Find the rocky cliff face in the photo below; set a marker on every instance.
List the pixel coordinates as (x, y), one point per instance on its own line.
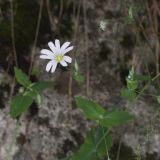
(54, 130)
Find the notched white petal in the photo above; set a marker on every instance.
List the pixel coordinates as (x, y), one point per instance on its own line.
(68, 59)
(63, 63)
(46, 52)
(54, 67)
(49, 65)
(64, 46)
(57, 45)
(68, 49)
(52, 47)
(46, 57)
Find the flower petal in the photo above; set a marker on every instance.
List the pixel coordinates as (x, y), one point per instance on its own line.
(49, 65)
(52, 47)
(54, 67)
(46, 56)
(68, 59)
(57, 45)
(63, 63)
(64, 46)
(68, 49)
(46, 52)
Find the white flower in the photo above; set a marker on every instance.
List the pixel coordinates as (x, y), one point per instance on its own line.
(56, 55)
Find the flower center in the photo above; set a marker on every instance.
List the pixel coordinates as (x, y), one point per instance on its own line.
(59, 58)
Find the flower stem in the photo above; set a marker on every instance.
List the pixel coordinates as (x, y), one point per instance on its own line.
(147, 85)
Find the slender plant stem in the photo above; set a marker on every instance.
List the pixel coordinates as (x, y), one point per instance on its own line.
(86, 48)
(147, 85)
(151, 95)
(13, 34)
(36, 36)
(13, 46)
(8, 157)
(119, 149)
(52, 20)
(61, 9)
(104, 135)
(14, 136)
(74, 54)
(154, 78)
(105, 144)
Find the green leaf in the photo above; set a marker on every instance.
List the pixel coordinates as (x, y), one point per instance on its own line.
(96, 143)
(102, 140)
(128, 94)
(76, 67)
(132, 84)
(20, 104)
(22, 78)
(142, 77)
(79, 78)
(116, 118)
(92, 110)
(35, 72)
(158, 99)
(129, 20)
(38, 87)
(38, 99)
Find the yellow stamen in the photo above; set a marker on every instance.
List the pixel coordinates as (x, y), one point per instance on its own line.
(59, 58)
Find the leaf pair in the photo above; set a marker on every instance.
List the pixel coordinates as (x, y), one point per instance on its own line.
(30, 92)
(20, 104)
(133, 80)
(94, 111)
(97, 143)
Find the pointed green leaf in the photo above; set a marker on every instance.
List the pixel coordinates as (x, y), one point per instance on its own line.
(158, 99)
(128, 94)
(116, 118)
(132, 84)
(103, 140)
(22, 78)
(96, 143)
(92, 110)
(38, 99)
(38, 88)
(142, 77)
(20, 104)
(79, 78)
